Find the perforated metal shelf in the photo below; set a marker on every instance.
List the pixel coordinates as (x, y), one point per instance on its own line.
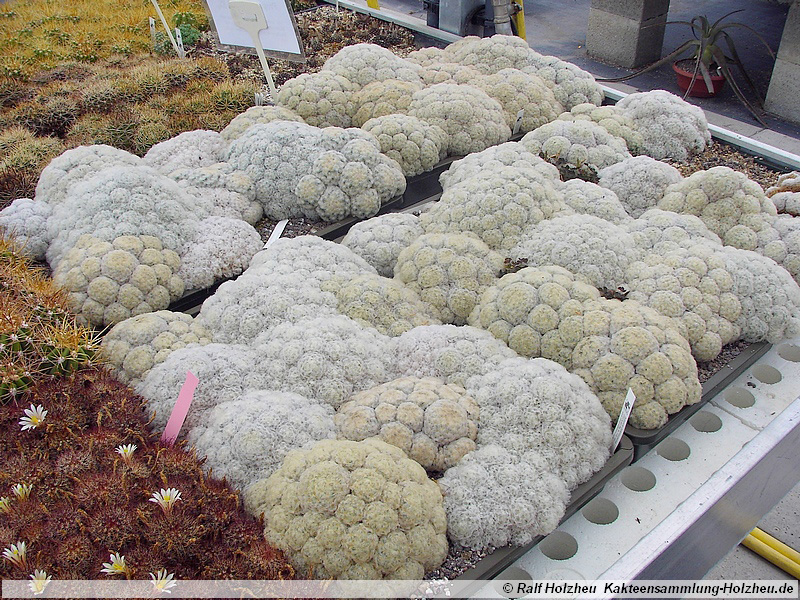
(675, 513)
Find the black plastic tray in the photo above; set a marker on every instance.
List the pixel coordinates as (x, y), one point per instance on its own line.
(645, 439)
(502, 558)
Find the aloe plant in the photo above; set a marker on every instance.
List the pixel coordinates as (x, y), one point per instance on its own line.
(709, 57)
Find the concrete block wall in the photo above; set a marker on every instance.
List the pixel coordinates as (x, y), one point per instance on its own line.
(784, 86)
(627, 33)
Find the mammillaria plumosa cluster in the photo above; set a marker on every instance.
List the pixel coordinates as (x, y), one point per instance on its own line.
(413, 143)
(449, 271)
(353, 510)
(111, 281)
(639, 182)
(328, 174)
(134, 346)
(497, 205)
(380, 240)
(243, 442)
(586, 245)
(432, 422)
(472, 120)
(731, 205)
(581, 146)
(670, 126)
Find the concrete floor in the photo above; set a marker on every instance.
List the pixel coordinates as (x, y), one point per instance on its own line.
(783, 523)
(558, 27)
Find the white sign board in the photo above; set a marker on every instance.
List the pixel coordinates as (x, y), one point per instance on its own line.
(280, 36)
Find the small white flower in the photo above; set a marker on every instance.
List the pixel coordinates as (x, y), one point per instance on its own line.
(34, 416)
(166, 498)
(39, 581)
(126, 451)
(5, 504)
(16, 553)
(117, 565)
(163, 581)
(22, 491)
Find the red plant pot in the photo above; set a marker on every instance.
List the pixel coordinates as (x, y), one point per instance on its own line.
(699, 89)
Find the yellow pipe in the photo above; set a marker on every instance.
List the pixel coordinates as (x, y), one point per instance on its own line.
(519, 18)
(776, 544)
(781, 561)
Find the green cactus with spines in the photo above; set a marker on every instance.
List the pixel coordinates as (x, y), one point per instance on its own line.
(234, 96)
(150, 80)
(206, 67)
(149, 133)
(100, 96)
(47, 116)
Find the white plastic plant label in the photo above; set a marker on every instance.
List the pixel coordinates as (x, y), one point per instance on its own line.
(518, 122)
(280, 37)
(276, 233)
(179, 41)
(622, 420)
(153, 32)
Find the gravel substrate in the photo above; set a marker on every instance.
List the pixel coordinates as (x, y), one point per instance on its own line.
(706, 369)
(720, 154)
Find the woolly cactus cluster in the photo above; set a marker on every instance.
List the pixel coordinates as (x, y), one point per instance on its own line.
(26, 220)
(611, 118)
(326, 174)
(189, 150)
(593, 248)
(536, 405)
(121, 201)
(639, 182)
(138, 344)
(670, 126)
(785, 194)
(225, 373)
(731, 205)
(493, 498)
(448, 271)
(588, 198)
(385, 304)
(508, 154)
(362, 64)
(246, 439)
(517, 91)
(536, 311)
(381, 98)
(222, 251)
(472, 120)
(256, 115)
(109, 282)
(571, 85)
(380, 240)
(434, 423)
(694, 286)
(452, 354)
(353, 510)
(627, 345)
(321, 99)
(413, 143)
(660, 231)
(612, 345)
(583, 147)
(325, 359)
(497, 205)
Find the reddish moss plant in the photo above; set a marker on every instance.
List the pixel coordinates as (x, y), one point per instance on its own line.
(88, 500)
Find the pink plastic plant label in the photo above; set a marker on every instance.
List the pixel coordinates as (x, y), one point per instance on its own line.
(180, 410)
